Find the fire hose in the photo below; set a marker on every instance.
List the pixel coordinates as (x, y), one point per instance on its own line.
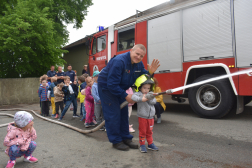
(148, 96)
(57, 122)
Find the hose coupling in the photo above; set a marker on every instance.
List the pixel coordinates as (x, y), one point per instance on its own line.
(168, 91)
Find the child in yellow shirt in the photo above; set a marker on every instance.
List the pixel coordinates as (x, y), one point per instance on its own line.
(82, 85)
(159, 106)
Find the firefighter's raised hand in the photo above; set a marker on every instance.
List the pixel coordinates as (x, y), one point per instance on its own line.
(154, 66)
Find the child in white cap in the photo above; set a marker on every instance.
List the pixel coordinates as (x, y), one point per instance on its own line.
(20, 139)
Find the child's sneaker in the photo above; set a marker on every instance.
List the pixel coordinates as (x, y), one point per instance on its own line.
(92, 124)
(11, 164)
(53, 115)
(102, 128)
(143, 149)
(131, 130)
(153, 147)
(87, 125)
(30, 159)
(76, 116)
(56, 116)
(60, 119)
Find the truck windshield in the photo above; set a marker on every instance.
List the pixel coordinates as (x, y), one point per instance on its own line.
(99, 44)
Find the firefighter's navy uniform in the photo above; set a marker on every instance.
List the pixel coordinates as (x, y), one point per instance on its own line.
(113, 82)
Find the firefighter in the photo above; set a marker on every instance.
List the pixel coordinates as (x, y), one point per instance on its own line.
(120, 74)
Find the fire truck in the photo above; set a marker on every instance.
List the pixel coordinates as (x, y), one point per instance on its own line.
(194, 40)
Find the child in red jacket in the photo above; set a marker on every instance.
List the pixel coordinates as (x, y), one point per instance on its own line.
(20, 139)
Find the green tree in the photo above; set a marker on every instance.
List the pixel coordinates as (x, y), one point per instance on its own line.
(63, 12)
(32, 33)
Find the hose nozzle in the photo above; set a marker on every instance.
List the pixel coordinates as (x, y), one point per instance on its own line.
(168, 91)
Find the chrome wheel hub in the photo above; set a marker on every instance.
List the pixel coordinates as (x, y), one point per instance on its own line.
(208, 97)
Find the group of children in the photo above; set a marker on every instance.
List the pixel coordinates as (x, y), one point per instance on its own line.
(67, 93)
(92, 102)
(51, 93)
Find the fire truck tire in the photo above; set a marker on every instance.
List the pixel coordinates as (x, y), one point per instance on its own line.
(211, 100)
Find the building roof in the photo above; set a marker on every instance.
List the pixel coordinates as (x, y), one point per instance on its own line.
(76, 43)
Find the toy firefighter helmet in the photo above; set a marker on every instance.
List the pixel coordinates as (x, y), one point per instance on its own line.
(143, 79)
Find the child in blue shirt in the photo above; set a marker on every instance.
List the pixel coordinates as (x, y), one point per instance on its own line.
(42, 92)
(97, 101)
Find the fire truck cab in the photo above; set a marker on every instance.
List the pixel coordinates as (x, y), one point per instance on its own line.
(193, 40)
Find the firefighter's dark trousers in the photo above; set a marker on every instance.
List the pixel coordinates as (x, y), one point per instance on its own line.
(116, 119)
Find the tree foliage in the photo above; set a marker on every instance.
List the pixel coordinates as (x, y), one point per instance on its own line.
(32, 33)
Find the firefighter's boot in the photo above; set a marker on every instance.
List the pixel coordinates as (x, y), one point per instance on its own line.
(121, 146)
(130, 143)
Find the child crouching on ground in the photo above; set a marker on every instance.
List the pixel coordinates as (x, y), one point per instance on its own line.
(159, 106)
(58, 98)
(145, 111)
(89, 104)
(20, 139)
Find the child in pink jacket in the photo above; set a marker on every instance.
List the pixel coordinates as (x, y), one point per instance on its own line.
(130, 91)
(89, 104)
(20, 139)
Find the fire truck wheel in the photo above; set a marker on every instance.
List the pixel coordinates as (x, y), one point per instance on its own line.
(211, 100)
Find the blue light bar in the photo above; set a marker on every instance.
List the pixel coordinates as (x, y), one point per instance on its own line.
(101, 28)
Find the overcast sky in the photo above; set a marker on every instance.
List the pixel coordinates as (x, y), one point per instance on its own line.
(108, 12)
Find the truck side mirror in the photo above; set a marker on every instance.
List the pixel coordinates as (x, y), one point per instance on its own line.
(88, 43)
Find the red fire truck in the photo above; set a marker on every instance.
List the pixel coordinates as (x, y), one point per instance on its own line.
(194, 40)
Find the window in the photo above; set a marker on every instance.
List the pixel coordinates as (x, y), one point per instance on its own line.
(99, 44)
(126, 38)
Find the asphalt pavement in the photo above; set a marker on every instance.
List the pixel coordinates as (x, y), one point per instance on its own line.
(184, 140)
